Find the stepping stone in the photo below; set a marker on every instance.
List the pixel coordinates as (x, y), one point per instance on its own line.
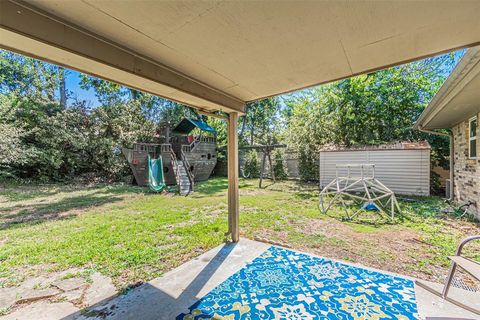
(73, 295)
(8, 296)
(29, 295)
(26, 292)
(69, 284)
(36, 282)
(43, 310)
(102, 288)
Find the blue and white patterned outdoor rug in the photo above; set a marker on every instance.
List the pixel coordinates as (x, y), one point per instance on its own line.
(283, 284)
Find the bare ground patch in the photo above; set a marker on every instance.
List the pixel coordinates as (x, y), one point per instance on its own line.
(394, 248)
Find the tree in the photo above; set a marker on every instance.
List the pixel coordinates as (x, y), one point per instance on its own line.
(43, 139)
(260, 121)
(380, 107)
(26, 78)
(63, 87)
(107, 93)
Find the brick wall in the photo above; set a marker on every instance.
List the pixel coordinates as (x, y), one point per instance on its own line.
(466, 171)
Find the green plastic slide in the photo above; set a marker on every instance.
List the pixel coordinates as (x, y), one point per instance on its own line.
(156, 181)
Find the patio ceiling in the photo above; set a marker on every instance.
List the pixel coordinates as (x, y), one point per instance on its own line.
(220, 54)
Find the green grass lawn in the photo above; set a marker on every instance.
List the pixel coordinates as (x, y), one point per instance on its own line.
(131, 234)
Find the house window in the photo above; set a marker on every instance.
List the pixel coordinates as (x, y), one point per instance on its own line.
(472, 136)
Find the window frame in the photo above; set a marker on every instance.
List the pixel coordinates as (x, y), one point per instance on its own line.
(474, 138)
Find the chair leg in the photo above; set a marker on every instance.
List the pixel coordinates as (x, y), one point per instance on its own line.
(449, 280)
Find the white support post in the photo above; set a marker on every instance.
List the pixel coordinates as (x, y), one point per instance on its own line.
(233, 207)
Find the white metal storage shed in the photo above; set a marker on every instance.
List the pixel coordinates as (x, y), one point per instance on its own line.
(404, 167)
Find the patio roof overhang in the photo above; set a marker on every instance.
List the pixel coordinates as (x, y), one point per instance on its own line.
(217, 55)
(458, 98)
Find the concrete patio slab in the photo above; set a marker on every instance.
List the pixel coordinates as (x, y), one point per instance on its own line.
(433, 306)
(43, 310)
(174, 292)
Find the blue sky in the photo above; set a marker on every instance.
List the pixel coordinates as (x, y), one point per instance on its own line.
(73, 86)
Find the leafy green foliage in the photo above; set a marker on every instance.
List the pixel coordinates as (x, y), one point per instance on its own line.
(27, 78)
(251, 168)
(308, 164)
(257, 126)
(42, 139)
(278, 165)
(370, 109)
(45, 142)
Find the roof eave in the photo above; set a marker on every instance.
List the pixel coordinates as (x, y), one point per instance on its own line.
(450, 88)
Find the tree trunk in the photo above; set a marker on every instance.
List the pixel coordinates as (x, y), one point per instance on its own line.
(63, 89)
(251, 135)
(244, 123)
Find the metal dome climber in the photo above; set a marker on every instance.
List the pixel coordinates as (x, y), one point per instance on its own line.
(357, 183)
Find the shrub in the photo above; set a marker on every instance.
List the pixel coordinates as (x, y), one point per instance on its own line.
(308, 165)
(45, 142)
(251, 168)
(278, 166)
